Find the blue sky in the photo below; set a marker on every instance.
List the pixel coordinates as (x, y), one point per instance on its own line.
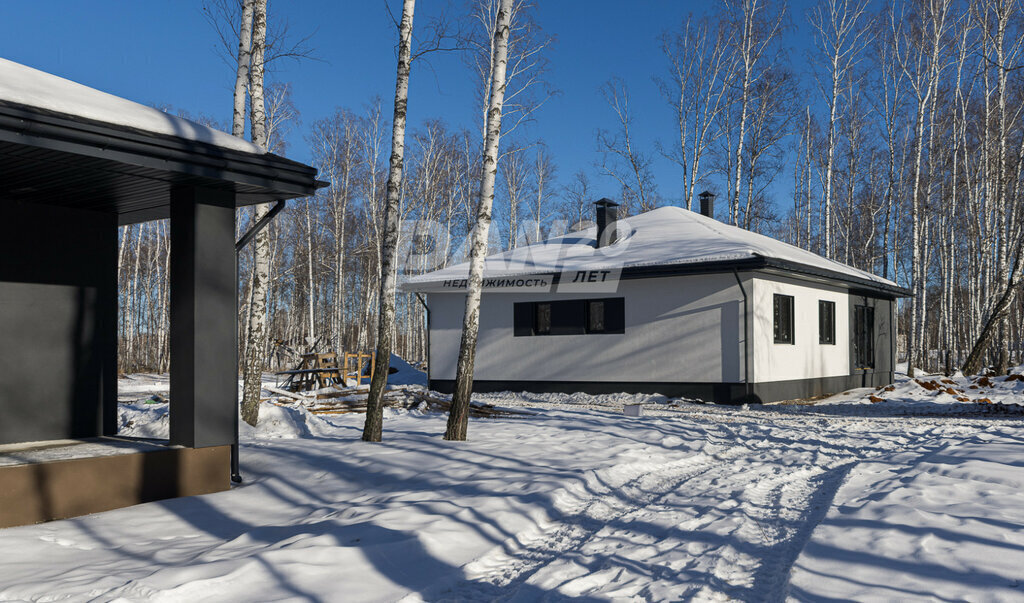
(165, 52)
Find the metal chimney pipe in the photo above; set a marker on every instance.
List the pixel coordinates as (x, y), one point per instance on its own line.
(707, 204)
(607, 214)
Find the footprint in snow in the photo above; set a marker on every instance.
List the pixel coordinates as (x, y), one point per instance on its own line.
(64, 542)
(671, 442)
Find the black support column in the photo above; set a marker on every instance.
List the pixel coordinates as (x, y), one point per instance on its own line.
(204, 356)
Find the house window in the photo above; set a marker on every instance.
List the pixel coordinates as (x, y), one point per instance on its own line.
(570, 317)
(542, 319)
(826, 322)
(783, 318)
(595, 316)
(863, 337)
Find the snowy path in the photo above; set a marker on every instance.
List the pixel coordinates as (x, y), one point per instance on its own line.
(703, 503)
(726, 523)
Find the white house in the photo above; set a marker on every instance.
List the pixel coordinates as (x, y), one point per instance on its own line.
(669, 301)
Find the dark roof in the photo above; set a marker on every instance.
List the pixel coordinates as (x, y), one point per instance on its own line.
(71, 161)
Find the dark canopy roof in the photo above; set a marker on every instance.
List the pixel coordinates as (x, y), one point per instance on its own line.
(65, 144)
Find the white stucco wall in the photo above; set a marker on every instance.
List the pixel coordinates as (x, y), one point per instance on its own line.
(678, 329)
(805, 358)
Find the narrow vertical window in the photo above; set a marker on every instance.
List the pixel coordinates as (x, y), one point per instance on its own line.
(542, 319)
(863, 337)
(595, 316)
(826, 322)
(782, 312)
(523, 319)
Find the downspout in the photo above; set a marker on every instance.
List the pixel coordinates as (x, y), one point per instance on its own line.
(427, 309)
(746, 337)
(236, 475)
(892, 341)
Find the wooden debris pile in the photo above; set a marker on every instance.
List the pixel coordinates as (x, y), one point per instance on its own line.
(334, 401)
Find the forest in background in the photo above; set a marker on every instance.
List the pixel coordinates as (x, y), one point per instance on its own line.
(903, 146)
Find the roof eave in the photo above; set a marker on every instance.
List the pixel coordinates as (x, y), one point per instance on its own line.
(746, 264)
(861, 284)
(280, 178)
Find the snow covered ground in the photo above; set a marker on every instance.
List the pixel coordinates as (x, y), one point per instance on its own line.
(845, 499)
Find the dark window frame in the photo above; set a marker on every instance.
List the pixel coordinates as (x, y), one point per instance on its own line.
(781, 313)
(826, 322)
(538, 328)
(590, 315)
(863, 337)
(569, 317)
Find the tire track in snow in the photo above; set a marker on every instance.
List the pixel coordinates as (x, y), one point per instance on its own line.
(747, 549)
(772, 576)
(501, 574)
(793, 503)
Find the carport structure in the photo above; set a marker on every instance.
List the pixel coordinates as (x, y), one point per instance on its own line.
(76, 163)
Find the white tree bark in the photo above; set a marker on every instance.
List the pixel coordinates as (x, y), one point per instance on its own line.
(242, 74)
(458, 417)
(629, 166)
(373, 427)
(757, 30)
(256, 332)
(702, 66)
(920, 57)
(841, 37)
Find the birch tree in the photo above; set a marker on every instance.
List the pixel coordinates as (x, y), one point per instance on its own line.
(513, 179)
(757, 23)
(841, 33)
(458, 416)
(544, 174)
(256, 331)
(576, 200)
(770, 121)
(957, 156)
(1000, 52)
(373, 427)
(701, 66)
(919, 53)
(620, 158)
(242, 73)
(526, 86)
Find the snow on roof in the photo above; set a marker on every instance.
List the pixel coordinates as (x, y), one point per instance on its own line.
(662, 237)
(26, 86)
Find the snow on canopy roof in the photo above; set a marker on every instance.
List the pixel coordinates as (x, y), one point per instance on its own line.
(26, 86)
(662, 237)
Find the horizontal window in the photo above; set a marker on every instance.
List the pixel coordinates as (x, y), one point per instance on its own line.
(570, 317)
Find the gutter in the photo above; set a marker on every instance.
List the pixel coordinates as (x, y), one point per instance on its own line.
(746, 336)
(236, 475)
(423, 302)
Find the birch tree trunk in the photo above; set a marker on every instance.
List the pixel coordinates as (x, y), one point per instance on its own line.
(242, 75)
(310, 280)
(921, 64)
(372, 429)
(1000, 312)
(256, 332)
(458, 416)
(841, 36)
